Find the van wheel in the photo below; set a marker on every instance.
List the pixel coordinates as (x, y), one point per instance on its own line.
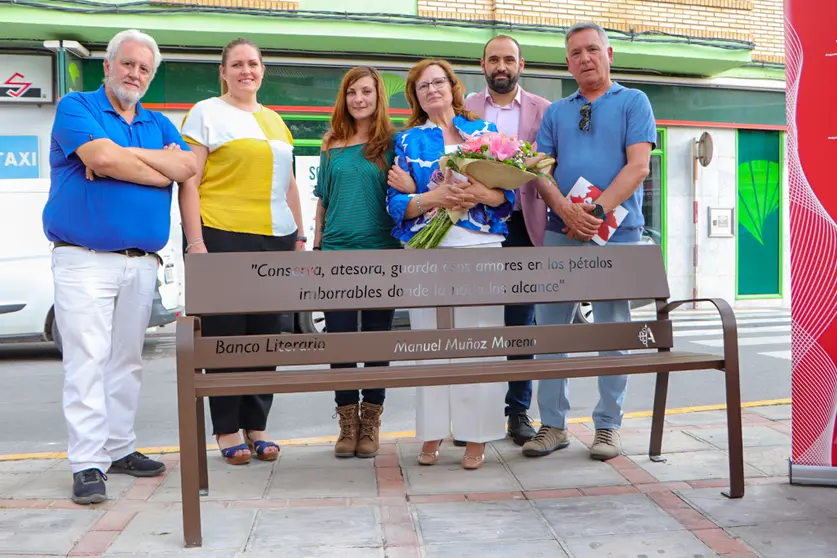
(55, 333)
(583, 313)
(310, 322)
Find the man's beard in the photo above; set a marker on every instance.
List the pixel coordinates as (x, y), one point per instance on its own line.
(127, 97)
(501, 87)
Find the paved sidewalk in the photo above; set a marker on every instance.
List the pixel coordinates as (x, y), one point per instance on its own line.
(311, 504)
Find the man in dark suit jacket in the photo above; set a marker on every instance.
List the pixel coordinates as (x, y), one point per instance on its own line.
(515, 112)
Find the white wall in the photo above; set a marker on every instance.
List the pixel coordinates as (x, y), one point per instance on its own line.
(716, 187)
(30, 120)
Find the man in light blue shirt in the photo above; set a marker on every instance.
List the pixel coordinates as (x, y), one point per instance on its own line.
(605, 133)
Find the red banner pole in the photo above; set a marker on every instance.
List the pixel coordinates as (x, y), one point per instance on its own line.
(811, 64)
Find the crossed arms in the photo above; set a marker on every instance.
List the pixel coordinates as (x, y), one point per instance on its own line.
(150, 167)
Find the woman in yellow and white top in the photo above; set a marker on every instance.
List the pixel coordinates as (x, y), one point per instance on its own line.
(244, 200)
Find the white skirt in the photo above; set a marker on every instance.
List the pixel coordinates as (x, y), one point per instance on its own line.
(470, 412)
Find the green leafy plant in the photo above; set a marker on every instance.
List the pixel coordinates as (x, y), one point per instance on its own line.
(759, 193)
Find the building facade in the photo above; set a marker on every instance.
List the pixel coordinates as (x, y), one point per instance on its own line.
(711, 68)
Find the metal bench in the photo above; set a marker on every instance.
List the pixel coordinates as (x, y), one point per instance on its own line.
(237, 283)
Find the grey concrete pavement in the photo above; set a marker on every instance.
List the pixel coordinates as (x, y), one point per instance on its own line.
(31, 379)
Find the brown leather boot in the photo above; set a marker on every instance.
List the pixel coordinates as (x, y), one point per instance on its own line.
(349, 426)
(370, 425)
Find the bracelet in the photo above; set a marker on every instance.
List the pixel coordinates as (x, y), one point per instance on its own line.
(195, 243)
(418, 202)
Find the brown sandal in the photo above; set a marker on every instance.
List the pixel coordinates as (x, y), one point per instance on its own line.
(231, 454)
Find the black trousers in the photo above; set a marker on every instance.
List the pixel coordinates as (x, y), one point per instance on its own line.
(231, 413)
(519, 394)
(344, 322)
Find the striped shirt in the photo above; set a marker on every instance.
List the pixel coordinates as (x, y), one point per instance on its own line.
(353, 192)
(248, 170)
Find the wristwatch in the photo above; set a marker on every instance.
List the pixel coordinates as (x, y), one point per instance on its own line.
(302, 239)
(598, 211)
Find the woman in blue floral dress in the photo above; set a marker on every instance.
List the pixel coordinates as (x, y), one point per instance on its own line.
(438, 124)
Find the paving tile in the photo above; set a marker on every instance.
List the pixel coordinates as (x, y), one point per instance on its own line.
(753, 436)
(696, 465)
(761, 504)
(478, 522)
(59, 485)
(773, 412)
(566, 468)
(674, 441)
(27, 465)
(447, 478)
(821, 497)
(525, 549)
(697, 419)
(160, 532)
(594, 516)
(319, 457)
(672, 544)
(813, 539)
(448, 454)
(230, 483)
(304, 528)
(42, 531)
(772, 460)
(296, 482)
(317, 552)
(193, 552)
(10, 482)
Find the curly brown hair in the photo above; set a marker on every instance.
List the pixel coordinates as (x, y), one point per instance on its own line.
(418, 116)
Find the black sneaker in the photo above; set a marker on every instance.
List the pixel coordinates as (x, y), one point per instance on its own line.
(137, 465)
(89, 487)
(520, 428)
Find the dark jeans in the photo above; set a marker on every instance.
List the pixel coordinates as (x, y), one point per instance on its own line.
(347, 321)
(231, 413)
(519, 394)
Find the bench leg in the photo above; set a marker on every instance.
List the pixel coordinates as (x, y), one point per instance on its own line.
(736, 443)
(189, 467)
(202, 471)
(658, 418)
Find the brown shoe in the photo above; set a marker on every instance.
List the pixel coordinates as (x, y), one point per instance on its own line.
(349, 426)
(370, 428)
(606, 445)
(547, 440)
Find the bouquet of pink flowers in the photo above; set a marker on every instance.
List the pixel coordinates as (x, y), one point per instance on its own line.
(494, 159)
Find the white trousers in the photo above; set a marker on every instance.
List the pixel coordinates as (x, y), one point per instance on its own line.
(102, 305)
(471, 412)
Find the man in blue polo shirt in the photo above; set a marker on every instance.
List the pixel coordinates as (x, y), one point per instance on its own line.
(605, 133)
(112, 166)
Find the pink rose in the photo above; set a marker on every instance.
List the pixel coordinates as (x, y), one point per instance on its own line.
(503, 148)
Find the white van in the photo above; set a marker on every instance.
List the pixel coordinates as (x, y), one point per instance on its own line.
(26, 289)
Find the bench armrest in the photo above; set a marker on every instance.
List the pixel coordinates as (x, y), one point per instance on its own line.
(728, 323)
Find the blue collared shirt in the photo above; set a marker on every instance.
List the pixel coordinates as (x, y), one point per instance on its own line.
(620, 118)
(418, 151)
(105, 214)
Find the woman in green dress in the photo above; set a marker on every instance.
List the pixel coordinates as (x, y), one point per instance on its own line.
(356, 155)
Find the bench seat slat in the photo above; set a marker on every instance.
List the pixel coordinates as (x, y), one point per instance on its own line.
(296, 381)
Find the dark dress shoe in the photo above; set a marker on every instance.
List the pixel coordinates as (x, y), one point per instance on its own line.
(520, 428)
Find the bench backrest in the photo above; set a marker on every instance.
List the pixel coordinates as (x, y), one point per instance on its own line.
(238, 283)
